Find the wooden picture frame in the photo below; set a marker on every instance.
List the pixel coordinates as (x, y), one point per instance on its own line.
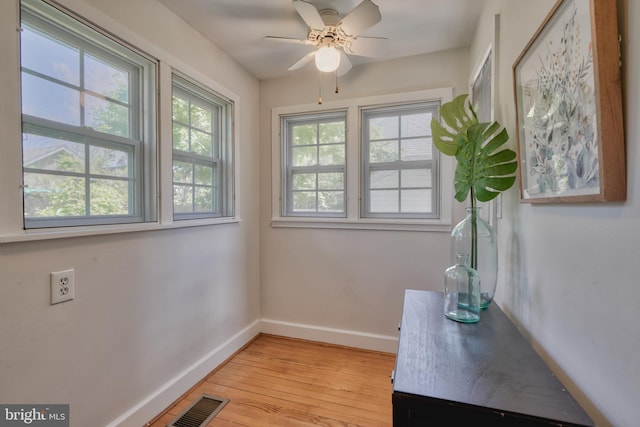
(569, 107)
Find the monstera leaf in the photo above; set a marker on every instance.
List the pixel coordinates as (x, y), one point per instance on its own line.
(458, 115)
(480, 169)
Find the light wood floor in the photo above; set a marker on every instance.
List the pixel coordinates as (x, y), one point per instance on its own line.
(276, 381)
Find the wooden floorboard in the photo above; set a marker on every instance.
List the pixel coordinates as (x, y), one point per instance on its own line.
(276, 381)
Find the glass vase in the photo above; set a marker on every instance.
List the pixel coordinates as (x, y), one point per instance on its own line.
(477, 239)
(462, 291)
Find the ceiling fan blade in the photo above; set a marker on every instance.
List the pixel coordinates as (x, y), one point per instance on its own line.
(363, 16)
(309, 14)
(303, 61)
(374, 47)
(287, 40)
(345, 64)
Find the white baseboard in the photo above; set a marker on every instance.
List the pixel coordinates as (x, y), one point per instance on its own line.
(385, 343)
(154, 404)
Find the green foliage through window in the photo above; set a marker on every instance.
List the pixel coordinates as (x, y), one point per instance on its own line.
(201, 137)
(83, 123)
(316, 147)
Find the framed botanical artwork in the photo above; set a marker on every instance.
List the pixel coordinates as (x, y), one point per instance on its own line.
(569, 107)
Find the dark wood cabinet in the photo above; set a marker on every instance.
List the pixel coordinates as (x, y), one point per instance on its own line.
(449, 373)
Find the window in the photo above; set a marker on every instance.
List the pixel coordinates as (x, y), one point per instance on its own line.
(361, 163)
(400, 178)
(315, 176)
(202, 152)
(482, 95)
(88, 112)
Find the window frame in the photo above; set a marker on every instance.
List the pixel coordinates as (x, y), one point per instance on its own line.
(399, 164)
(158, 186)
(68, 28)
(482, 84)
(354, 219)
(222, 158)
(287, 122)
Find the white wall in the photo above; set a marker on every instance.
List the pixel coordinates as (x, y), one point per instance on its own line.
(567, 272)
(568, 276)
(154, 306)
(351, 282)
(154, 311)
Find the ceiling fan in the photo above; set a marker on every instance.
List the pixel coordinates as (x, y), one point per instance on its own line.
(335, 36)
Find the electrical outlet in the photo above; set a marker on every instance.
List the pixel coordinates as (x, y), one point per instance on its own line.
(62, 286)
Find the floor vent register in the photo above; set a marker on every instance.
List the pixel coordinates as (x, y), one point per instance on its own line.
(200, 412)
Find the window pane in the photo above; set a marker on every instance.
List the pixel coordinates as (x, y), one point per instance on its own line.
(304, 181)
(106, 116)
(203, 175)
(180, 137)
(304, 156)
(332, 154)
(49, 57)
(330, 201)
(331, 181)
(111, 162)
(383, 151)
(204, 199)
(182, 198)
(416, 124)
(109, 197)
(202, 152)
(384, 179)
(182, 172)
(416, 149)
(79, 81)
(412, 178)
(383, 128)
(304, 134)
(399, 140)
(53, 196)
(106, 79)
(304, 201)
(201, 143)
(384, 201)
(416, 201)
(41, 152)
(332, 132)
(180, 110)
(201, 118)
(43, 98)
(315, 164)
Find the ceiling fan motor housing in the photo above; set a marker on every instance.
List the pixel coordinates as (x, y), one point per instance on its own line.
(331, 35)
(329, 32)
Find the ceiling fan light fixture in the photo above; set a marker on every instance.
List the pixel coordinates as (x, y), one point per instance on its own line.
(327, 59)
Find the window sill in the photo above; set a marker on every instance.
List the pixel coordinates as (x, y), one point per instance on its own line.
(65, 232)
(362, 224)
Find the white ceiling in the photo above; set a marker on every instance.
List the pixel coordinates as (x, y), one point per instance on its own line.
(412, 27)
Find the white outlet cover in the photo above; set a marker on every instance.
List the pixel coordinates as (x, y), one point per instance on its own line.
(62, 286)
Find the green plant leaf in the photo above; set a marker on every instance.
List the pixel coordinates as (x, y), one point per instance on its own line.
(479, 169)
(458, 116)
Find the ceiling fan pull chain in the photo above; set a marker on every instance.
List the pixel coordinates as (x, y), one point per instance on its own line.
(319, 88)
(337, 89)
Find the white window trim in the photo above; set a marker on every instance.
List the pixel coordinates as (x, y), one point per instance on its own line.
(353, 219)
(287, 202)
(90, 41)
(223, 149)
(400, 165)
(11, 214)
